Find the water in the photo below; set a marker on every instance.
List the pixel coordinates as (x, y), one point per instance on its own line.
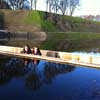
(22, 79)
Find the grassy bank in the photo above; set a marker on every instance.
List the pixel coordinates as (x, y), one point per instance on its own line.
(26, 21)
(33, 21)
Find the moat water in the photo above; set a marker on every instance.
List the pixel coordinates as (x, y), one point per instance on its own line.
(23, 79)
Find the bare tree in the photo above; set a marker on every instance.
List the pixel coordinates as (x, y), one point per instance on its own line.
(49, 4)
(12, 3)
(35, 4)
(1, 3)
(31, 4)
(19, 4)
(55, 5)
(16, 4)
(52, 5)
(63, 6)
(73, 5)
(4, 4)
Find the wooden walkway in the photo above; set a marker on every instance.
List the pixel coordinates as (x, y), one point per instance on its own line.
(63, 58)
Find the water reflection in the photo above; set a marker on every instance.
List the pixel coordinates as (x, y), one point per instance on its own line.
(17, 36)
(47, 81)
(42, 72)
(35, 74)
(52, 70)
(12, 68)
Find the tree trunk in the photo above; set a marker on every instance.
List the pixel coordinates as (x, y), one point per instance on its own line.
(72, 11)
(47, 5)
(31, 4)
(35, 4)
(1, 4)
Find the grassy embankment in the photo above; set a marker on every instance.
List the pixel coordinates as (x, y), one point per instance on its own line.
(66, 34)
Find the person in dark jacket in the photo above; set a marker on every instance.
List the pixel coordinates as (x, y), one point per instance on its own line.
(36, 51)
(27, 50)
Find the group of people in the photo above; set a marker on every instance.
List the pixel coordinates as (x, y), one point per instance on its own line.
(34, 51)
(28, 50)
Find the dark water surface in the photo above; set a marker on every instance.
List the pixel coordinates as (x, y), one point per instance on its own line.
(22, 79)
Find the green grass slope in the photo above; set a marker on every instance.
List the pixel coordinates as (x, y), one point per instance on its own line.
(41, 21)
(29, 21)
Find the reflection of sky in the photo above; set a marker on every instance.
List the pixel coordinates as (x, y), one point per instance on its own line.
(87, 54)
(87, 7)
(85, 57)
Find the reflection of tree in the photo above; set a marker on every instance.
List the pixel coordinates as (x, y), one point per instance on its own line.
(32, 78)
(35, 74)
(33, 81)
(36, 79)
(5, 76)
(52, 70)
(9, 69)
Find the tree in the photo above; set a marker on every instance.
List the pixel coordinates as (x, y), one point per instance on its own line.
(4, 5)
(55, 6)
(19, 4)
(52, 5)
(11, 3)
(1, 2)
(35, 3)
(73, 5)
(16, 4)
(63, 6)
(31, 4)
(49, 4)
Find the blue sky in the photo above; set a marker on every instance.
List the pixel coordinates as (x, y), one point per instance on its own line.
(87, 7)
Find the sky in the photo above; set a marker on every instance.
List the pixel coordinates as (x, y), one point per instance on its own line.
(87, 7)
